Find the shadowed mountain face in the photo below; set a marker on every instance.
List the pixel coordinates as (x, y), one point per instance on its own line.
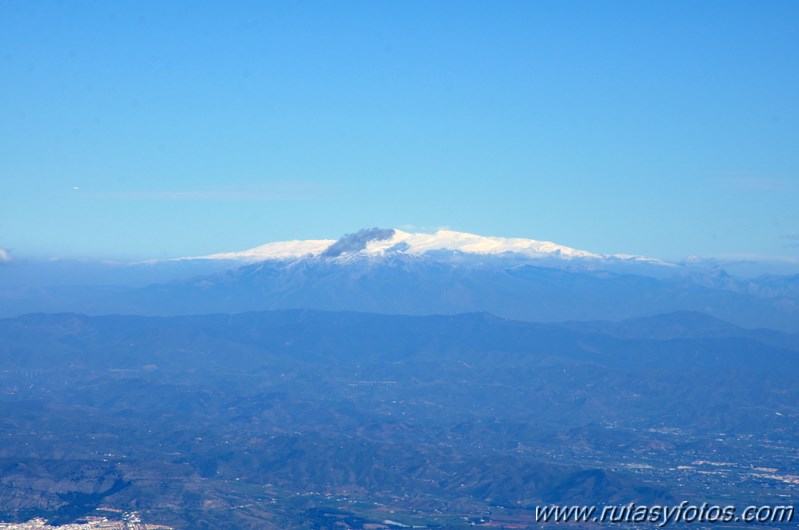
(431, 284)
(307, 419)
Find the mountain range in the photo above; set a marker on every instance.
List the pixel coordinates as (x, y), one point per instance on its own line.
(397, 272)
(440, 381)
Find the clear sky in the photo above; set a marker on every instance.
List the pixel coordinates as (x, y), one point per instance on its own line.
(159, 129)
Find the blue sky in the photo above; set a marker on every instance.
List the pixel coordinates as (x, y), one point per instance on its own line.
(659, 128)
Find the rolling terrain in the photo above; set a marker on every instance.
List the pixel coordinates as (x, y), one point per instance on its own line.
(309, 419)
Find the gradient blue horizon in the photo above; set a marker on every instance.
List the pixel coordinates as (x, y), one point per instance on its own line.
(164, 129)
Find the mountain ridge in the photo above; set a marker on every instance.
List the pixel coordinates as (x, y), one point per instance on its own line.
(390, 271)
(379, 241)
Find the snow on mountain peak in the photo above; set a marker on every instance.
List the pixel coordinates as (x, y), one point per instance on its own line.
(378, 242)
(421, 243)
(277, 250)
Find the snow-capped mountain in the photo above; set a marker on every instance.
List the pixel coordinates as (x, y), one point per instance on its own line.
(446, 272)
(382, 242)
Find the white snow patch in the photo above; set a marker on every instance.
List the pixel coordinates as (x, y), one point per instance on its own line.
(277, 250)
(421, 243)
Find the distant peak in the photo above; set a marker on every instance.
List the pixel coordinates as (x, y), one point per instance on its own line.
(377, 242)
(420, 243)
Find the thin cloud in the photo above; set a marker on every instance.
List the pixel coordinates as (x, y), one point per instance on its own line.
(755, 184)
(793, 240)
(5, 256)
(758, 258)
(298, 192)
